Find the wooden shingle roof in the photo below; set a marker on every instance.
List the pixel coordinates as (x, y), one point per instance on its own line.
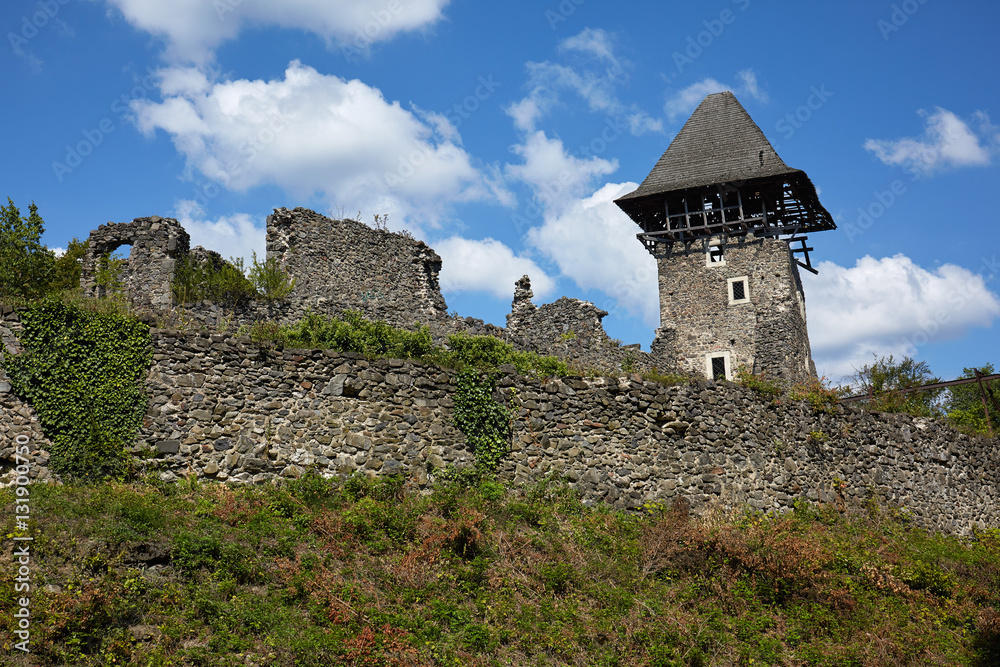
(719, 143)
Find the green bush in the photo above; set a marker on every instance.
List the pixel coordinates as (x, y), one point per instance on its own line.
(487, 352)
(222, 283)
(353, 333)
(84, 373)
(270, 280)
(759, 382)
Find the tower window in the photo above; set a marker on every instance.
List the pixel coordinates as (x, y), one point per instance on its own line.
(715, 255)
(718, 366)
(739, 290)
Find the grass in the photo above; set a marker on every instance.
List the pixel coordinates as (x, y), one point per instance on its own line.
(372, 573)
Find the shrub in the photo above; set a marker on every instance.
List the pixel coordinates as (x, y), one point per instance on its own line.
(487, 352)
(270, 280)
(760, 383)
(815, 392)
(221, 282)
(351, 332)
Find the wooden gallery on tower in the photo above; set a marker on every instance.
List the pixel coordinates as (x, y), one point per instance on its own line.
(726, 220)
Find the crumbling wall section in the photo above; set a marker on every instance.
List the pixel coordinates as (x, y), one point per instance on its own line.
(157, 243)
(570, 329)
(343, 264)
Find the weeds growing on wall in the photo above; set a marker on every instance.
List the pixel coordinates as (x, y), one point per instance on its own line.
(487, 352)
(760, 382)
(84, 372)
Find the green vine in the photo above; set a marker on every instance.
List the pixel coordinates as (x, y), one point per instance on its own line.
(487, 424)
(83, 372)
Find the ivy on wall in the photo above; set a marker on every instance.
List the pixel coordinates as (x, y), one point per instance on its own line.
(84, 373)
(486, 423)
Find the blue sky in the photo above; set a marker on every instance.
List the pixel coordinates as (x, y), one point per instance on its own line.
(500, 133)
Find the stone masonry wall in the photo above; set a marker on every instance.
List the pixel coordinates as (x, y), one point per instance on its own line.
(767, 334)
(18, 418)
(147, 274)
(572, 330)
(341, 264)
(222, 409)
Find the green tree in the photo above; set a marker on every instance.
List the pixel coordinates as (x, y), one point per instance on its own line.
(885, 377)
(26, 266)
(964, 403)
(67, 268)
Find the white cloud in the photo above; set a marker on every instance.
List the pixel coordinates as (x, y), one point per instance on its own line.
(890, 306)
(596, 42)
(749, 85)
(686, 100)
(947, 141)
(231, 236)
(593, 243)
(596, 79)
(314, 133)
(488, 266)
(555, 176)
(192, 29)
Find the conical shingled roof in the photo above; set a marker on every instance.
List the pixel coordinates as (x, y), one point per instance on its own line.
(719, 143)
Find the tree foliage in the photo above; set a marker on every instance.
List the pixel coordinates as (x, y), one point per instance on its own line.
(26, 266)
(885, 377)
(964, 403)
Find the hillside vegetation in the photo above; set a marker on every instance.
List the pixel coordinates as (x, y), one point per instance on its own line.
(368, 573)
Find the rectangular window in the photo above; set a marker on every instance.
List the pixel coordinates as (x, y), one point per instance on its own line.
(719, 365)
(739, 290)
(715, 255)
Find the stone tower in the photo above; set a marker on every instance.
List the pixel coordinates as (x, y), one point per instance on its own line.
(726, 219)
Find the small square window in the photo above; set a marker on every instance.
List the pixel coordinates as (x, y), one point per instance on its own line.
(715, 256)
(718, 367)
(739, 290)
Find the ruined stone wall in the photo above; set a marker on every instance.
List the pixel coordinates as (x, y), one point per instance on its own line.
(570, 329)
(767, 333)
(341, 264)
(18, 418)
(147, 274)
(222, 409)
